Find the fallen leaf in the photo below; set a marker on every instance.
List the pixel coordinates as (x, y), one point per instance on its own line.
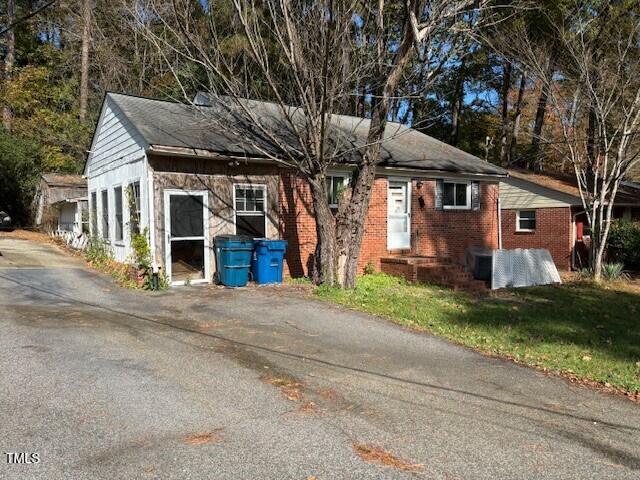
(202, 438)
(586, 358)
(373, 454)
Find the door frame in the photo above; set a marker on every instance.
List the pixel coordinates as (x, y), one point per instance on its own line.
(205, 225)
(391, 180)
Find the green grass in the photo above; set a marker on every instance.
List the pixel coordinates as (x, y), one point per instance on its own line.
(581, 329)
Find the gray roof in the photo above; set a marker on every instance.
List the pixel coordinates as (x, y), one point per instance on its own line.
(222, 127)
(64, 180)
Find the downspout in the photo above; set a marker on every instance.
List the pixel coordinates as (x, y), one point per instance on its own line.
(152, 215)
(499, 224)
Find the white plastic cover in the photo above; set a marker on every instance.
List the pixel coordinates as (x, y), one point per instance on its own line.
(522, 268)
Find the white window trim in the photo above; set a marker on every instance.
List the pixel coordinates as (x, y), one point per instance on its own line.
(127, 215)
(109, 211)
(529, 230)
(467, 206)
(253, 186)
(345, 175)
(91, 215)
(117, 242)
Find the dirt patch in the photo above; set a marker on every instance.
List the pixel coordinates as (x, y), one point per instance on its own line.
(203, 438)
(28, 235)
(373, 454)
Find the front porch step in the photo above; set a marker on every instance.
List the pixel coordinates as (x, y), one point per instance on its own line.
(433, 270)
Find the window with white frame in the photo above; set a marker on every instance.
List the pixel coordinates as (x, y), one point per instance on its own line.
(94, 214)
(135, 213)
(117, 200)
(105, 214)
(84, 215)
(250, 208)
(526, 221)
(456, 195)
(336, 184)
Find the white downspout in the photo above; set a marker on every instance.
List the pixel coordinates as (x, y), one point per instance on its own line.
(499, 224)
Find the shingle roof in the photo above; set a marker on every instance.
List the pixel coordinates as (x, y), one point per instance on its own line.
(64, 180)
(568, 184)
(221, 128)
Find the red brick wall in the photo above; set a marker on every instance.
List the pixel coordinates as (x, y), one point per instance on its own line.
(449, 232)
(553, 232)
(433, 232)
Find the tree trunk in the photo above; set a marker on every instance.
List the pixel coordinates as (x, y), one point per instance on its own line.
(84, 69)
(324, 271)
(7, 115)
(456, 105)
(515, 130)
(540, 113)
(506, 85)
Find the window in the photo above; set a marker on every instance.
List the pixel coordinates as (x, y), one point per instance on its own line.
(335, 186)
(84, 215)
(134, 207)
(250, 203)
(117, 193)
(105, 214)
(457, 195)
(526, 221)
(94, 214)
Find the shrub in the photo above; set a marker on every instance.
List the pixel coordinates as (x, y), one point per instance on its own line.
(614, 271)
(369, 268)
(141, 250)
(623, 244)
(98, 251)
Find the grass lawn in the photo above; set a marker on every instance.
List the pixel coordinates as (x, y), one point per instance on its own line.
(578, 329)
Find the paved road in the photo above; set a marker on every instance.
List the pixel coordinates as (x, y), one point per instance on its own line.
(210, 383)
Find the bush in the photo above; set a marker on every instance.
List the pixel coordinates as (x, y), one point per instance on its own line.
(623, 244)
(98, 251)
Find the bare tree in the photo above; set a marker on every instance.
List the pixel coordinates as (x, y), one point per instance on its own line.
(84, 68)
(596, 95)
(308, 59)
(9, 59)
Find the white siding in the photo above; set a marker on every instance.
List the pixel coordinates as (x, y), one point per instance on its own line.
(117, 158)
(519, 194)
(115, 143)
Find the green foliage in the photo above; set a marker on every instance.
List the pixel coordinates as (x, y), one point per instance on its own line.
(623, 244)
(614, 271)
(369, 268)
(583, 329)
(141, 250)
(98, 252)
(19, 175)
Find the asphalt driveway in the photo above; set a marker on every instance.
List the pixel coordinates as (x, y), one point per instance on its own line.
(203, 382)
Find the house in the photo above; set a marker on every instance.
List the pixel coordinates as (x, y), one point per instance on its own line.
(545, 211)
(60, 203)
(166, 167)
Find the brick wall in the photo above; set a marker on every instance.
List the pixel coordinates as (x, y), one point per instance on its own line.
(433, 232)
(553, 232)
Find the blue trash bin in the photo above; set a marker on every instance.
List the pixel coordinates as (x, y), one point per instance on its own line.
(267, 261)
(233, 259)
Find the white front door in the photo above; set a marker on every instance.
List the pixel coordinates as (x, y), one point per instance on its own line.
(186, 219)
(399, 215)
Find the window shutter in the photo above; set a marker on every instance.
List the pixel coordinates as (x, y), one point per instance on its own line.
(439, 193)
(475, 195)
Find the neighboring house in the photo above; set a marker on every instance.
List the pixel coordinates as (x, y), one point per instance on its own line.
(61, 203)
(191, 181)
(545, 211)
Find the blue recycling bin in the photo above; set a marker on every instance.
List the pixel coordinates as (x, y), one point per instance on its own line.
(267, 261)
(233, 259)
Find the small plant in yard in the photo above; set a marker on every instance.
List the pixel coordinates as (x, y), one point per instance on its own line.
(614, 271)
(369, 268)
(98, 252)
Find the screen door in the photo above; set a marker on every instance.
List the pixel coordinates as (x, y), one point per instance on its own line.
(399, 216)
(187, 242)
